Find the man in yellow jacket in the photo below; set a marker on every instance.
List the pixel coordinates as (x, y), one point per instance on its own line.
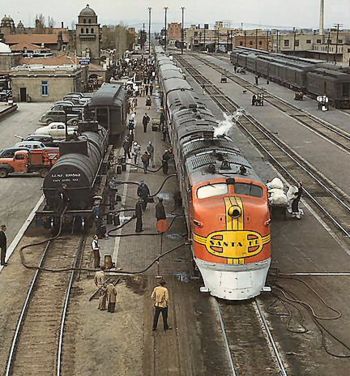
(160, 296)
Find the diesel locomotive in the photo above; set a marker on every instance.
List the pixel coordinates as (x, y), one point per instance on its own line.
(225, 202)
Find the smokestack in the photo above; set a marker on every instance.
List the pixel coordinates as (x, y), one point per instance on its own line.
(322, 17)
(62, 25)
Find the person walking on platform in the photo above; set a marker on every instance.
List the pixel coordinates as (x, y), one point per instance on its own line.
(126, 147)
(296, 200)
(151, 89)
(3, 245)
(162, 119)
(165, 161)
(160, 296)
(149, 102)
(111, 297)
(146, 89)
(145, 157)
(138, 215)
(100, 282)
(137, 152)
(96, 251)
(145, 120)
(150, 151)
(164, 132)
(144, 193)
(160, 216)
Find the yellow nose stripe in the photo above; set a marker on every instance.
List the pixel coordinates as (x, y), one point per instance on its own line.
(234, 224)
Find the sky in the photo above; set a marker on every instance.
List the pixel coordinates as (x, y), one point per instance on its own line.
(252, 13)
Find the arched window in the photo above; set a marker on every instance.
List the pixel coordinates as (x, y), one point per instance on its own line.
(82, 30)
(84, 20)
(92, 30)
(87, 31)
(89, 20)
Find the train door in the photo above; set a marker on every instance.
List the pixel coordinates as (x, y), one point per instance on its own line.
(346, 90)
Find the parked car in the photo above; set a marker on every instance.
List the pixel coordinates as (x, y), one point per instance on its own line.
(56, 130)
(10, 152)
(47, 140)
(57, 116)
(31, 145)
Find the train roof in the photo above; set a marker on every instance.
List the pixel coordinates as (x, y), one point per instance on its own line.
(108, 95)
(332, 74)
(179, 100)
(174, 84)
(212, 163)
(166, 75)
(193, 146)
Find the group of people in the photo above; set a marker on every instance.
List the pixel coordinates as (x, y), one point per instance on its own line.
(108, 298)
(107, 291)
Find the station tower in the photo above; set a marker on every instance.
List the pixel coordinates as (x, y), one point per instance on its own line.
(88, 34)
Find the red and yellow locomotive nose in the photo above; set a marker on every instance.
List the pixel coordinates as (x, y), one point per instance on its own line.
(237, 236)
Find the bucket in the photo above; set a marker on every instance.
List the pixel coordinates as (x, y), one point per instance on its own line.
(116, 220)
(108, 262)
(110, 218)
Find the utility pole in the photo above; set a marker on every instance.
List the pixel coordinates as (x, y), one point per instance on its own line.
(267, 40)
(204, 38)
(149, 29)
(182, 29)
(278, 41)
(165, 26)
(142, 37)
(227, 40)
(328, 43)
(245, 38)
(256, 39)
(231, 40)
(294, 38)
(336, 44)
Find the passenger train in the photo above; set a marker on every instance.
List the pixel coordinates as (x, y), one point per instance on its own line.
(310, 76)
(225, 202)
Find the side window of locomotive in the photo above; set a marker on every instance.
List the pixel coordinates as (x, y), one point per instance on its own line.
(248, 189)
(212, 190)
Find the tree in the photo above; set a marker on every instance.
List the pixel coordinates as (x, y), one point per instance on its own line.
(40, 24)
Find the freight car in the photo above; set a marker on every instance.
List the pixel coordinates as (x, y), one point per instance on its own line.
(311, 76)
(70, 185)
(108, 106)
(225, 202)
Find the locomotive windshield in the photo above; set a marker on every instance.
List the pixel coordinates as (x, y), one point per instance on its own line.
(248, 189)
(212, 190)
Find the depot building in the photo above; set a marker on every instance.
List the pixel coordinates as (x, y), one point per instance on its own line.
(38, 82)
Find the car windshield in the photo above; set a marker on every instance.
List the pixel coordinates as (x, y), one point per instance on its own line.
(212, 190)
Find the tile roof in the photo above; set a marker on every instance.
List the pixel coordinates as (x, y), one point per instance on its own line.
(23, 45)
(31, 38)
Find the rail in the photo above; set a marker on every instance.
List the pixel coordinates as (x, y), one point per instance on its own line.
(25, 314)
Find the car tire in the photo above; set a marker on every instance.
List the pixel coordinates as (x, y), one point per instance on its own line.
(48, 121)
(75, 122)
(3, 173)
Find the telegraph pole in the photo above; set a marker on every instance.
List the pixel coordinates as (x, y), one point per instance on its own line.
(267, 40)
(294, 38)
(256, 39)
(182, 29)
(165, 26)
(142, 37)
(149, 29)
(336, 44)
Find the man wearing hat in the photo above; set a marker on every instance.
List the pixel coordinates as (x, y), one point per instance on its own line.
(160, 296)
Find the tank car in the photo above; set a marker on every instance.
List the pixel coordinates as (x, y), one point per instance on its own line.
(71, 182)
(225, 202)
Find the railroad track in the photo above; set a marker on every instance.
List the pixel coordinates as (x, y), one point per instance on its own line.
(328, 199)
(38, 340)
(329, 131)
(250, 346)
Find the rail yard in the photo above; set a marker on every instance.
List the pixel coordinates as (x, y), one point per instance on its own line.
(254, 287)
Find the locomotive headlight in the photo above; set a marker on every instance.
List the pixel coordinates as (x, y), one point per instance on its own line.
(234, 211)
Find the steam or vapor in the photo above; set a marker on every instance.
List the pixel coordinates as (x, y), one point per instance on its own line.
(224, 127)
